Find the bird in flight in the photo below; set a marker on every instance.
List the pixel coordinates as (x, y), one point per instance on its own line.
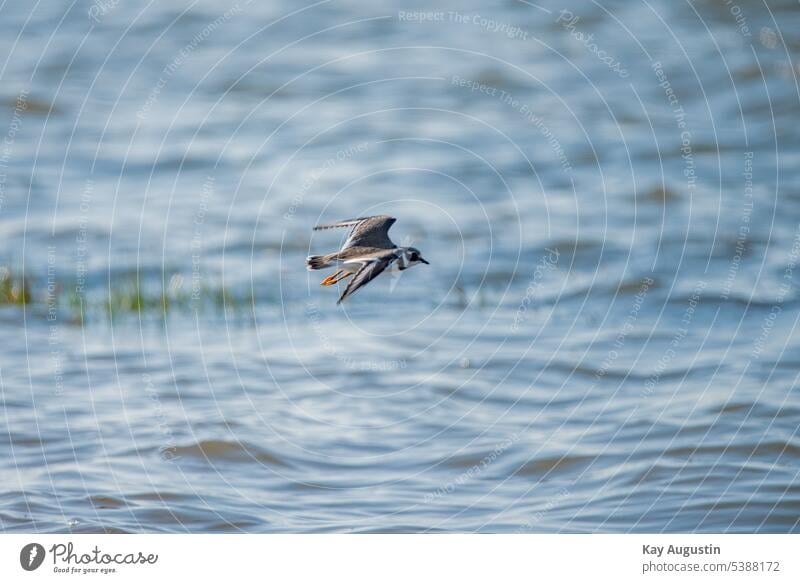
(367, 252)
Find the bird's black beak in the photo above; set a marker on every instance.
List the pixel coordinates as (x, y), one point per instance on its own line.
(425, 262)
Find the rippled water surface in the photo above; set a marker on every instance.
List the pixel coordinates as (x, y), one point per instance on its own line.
(608, 194)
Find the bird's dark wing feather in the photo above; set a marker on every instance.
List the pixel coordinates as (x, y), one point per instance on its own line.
(367, 273)
(367, 231)
(338, 224)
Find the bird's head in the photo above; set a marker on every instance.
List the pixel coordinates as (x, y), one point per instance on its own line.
(413, 256)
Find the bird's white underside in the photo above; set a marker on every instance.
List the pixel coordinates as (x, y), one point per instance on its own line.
(353, 265)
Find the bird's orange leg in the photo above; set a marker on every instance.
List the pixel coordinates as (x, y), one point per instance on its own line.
(345, 276)
(331, 279)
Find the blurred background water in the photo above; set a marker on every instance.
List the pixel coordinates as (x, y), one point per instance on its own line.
(605, 341)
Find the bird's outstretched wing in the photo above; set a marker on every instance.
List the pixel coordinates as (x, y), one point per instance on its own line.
(367, 231)
(367, 273)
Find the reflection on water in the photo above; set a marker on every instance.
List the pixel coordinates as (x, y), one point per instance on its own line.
(605, 340)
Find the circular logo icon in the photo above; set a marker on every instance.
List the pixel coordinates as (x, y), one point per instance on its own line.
(31, 556)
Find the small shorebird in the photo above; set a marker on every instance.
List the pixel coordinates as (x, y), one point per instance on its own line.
(367, 252)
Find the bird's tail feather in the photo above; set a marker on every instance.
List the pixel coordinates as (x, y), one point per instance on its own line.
(318, 262)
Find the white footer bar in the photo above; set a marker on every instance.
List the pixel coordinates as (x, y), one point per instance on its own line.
(399, 558)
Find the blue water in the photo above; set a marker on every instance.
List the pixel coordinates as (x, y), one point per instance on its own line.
(608, 194)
